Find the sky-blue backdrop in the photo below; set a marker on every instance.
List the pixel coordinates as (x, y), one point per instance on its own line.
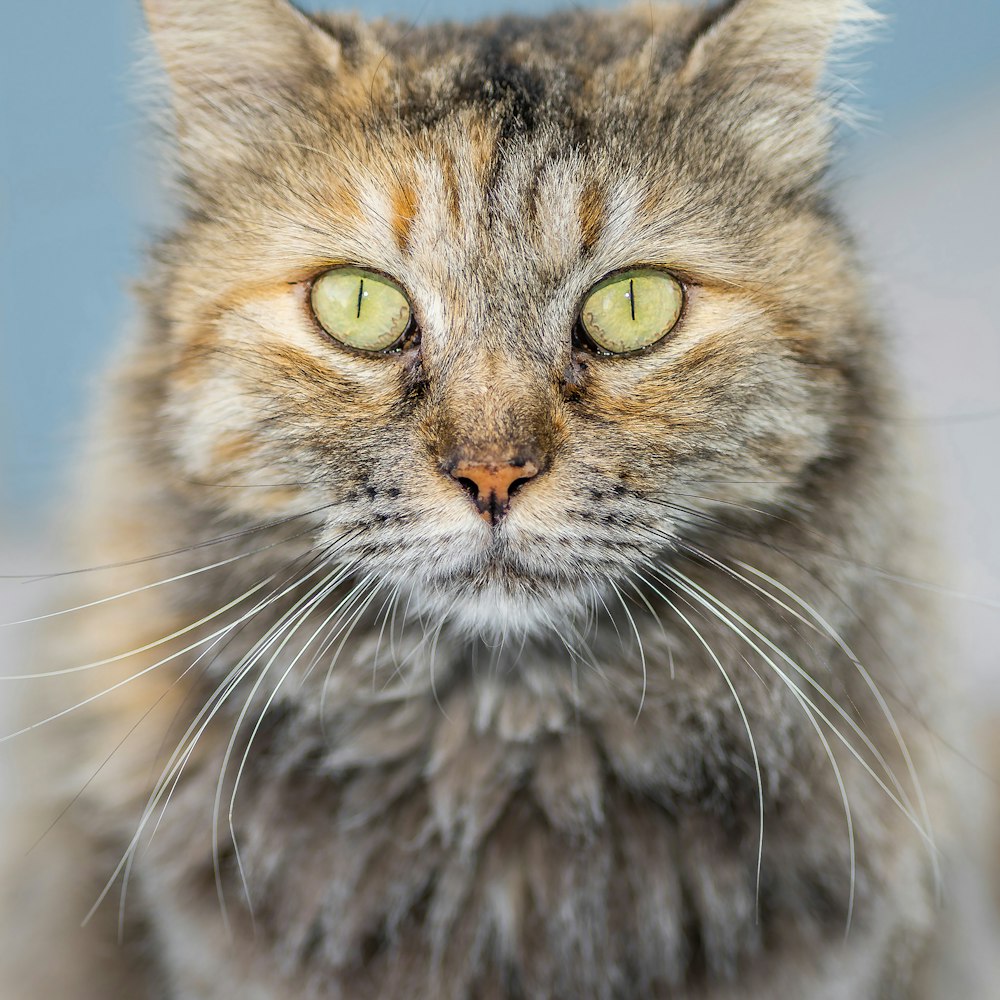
(71, 212)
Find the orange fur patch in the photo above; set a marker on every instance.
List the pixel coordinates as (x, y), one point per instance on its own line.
(232, 448)
(404, 205)
(591, 209)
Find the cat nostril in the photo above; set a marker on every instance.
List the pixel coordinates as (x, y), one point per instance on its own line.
(492, 485)
(518, 483)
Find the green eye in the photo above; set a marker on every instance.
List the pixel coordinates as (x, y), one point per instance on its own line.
(360, 308)
(632, 309)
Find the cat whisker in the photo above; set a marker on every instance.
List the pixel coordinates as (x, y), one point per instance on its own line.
(248, 486)
(393, 653)
(221, 693)
(173, 770)
(232, 536)
(649, 607)
(432, 662)
(685, 547)
(787, 547)
(169, 638)
(828, 630)
(146, 670)
(689, 549)
(362, 598)
(354, 605)
(805, 705)
(107, 760)
(521, 648)
(290, 625)
(738, 482)
(174, 684)
(720, 609)
(642, 652)
(416, 649)
(296, 566)
(153, 586)
(865, 674)
(611, 618)
(185, 748)
(746, 723)
(382, 619)
(228, 636)
(813, 575)
(730, 618)
(934, 588)
(576, 645)
(170, 776)
(164, 791)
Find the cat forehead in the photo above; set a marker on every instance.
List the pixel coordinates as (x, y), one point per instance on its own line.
(514, 225)
(561, 82)
(531, 62)
(505, 156)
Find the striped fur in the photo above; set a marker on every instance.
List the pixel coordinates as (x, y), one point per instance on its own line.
(534, 760)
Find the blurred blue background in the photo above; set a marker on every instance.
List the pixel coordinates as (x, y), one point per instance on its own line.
(74, 213)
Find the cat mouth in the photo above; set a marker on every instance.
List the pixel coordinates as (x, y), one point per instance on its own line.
(497, 603)
(495, 588)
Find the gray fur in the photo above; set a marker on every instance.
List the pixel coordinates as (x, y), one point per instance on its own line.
(520, 769)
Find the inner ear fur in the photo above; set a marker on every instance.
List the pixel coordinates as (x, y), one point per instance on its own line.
(238, 72)
(764, 62)
(784, 42)
(209, 45)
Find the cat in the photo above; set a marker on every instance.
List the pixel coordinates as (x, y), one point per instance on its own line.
(500, 488)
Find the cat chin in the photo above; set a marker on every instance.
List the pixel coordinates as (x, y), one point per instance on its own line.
(502, 611)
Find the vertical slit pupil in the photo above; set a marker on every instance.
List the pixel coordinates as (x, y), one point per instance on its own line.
(361, 295)
(631, 296)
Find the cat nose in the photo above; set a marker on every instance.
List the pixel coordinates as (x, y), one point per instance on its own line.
(491, 485)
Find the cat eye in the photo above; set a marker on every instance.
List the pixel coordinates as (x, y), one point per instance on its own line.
(630, 310)
(360, 308)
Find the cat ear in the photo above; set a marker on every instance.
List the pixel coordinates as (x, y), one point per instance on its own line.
(771, 57)
(786, 42)
(207, 44)
(228, 60)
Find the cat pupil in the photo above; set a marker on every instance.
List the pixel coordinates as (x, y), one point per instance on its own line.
(631, 297)
(361, 295)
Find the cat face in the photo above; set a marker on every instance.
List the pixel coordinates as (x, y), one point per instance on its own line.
(495, 464)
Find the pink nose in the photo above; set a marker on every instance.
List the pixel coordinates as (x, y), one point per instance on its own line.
(492, 485)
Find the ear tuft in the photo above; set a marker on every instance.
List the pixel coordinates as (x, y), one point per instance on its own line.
(231, 63)
(788, 42)
(766, 59)
(208, 44)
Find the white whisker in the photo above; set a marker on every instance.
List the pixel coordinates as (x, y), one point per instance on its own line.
(638, 639)
(869, 681)
(746, 724)
(134, 677)
(147, 587)
(288, 625)
(175, 765)
(845, 801)
(709, 602)
(151, 645)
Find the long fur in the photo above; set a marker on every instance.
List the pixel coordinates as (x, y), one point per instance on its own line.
(663, 730)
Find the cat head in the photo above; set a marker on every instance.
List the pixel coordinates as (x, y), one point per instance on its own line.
(514, 306)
